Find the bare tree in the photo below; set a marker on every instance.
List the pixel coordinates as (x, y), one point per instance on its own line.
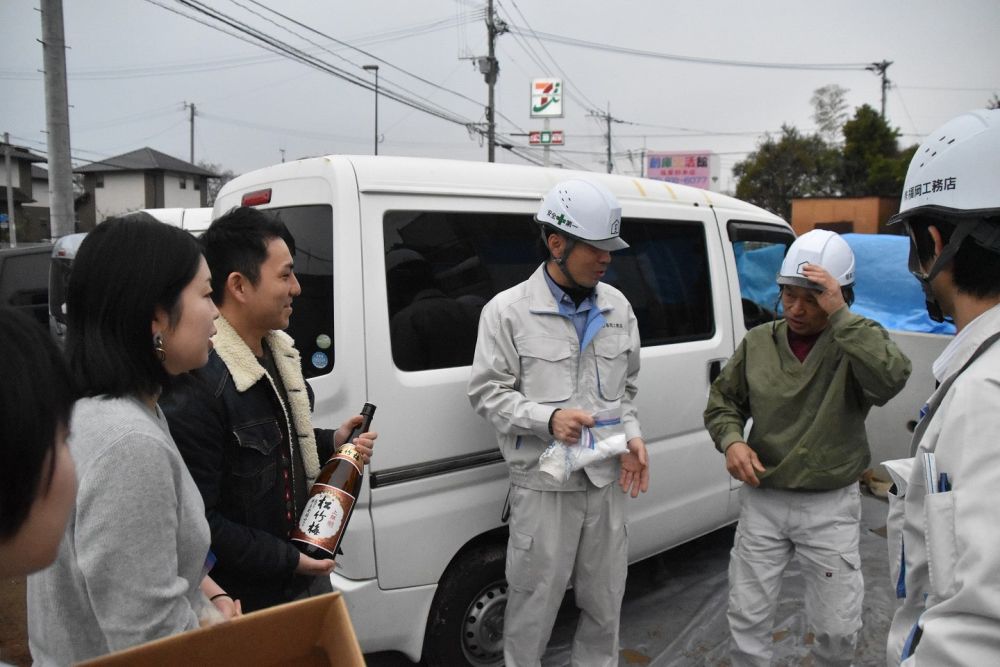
(993, 103)
(830, 112)
(215, 184)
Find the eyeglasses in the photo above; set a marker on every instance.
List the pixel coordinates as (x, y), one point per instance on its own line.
(913, 262)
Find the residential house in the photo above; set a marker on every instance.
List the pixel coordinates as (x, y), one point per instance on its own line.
(144, 178)
(24, 192)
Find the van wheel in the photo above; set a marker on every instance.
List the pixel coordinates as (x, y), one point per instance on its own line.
(466, 619)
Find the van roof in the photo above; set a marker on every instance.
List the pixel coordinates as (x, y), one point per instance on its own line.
(412, 175)
(68, 245)
(190, 219)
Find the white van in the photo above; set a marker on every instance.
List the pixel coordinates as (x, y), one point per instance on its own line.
(61, 265)
(423, 564)
(194, 220)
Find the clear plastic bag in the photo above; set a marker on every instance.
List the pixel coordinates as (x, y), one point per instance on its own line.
(603, 440)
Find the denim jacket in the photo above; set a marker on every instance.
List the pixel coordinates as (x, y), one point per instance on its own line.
(229, 425)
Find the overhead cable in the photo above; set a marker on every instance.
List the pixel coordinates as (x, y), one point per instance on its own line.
(571, 90)
(571, 41)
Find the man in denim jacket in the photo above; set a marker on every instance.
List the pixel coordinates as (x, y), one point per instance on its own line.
(553, 351)
(243, 424)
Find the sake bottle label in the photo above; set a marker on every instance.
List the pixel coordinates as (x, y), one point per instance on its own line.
(324, 513)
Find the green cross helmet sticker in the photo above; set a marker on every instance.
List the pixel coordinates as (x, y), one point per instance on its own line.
(561, 220)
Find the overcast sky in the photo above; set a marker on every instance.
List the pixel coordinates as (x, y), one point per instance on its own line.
(134, 63)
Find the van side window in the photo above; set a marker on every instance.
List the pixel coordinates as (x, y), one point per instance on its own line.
(442, 267)
(759, 250)
(311, 324)
(664, 273)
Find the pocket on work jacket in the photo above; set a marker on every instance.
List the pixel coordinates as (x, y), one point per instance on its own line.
(942, 552)
(547, 367)
(611, 352)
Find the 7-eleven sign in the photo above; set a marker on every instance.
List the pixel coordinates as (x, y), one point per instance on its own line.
(546, 98)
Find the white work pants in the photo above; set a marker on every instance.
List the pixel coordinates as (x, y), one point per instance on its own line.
(823, 529)
(556, 536)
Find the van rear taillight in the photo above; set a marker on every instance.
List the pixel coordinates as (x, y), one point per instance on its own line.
(257, 197)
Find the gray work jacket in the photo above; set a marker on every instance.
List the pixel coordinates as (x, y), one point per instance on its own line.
(529, 362)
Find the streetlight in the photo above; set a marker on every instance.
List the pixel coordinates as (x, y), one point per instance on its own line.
(374, 68)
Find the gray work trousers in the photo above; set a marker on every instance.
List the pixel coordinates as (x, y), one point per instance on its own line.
(557, 538)
(823, 529)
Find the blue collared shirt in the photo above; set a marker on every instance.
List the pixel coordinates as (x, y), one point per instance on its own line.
(587, 318)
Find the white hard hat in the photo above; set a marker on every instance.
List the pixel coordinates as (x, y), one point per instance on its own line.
(585, 211)
(955, 174)
(820, 247)
(957, 166)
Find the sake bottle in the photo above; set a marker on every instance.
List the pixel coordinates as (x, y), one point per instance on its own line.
(331, 499)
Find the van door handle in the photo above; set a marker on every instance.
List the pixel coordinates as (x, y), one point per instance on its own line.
(714, 368)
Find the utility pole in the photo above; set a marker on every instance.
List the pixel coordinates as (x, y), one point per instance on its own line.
(191, 121)
(608, 118)
(10, 192)
(879, 69)
(490, 69)
(374, 68)
(61, 216)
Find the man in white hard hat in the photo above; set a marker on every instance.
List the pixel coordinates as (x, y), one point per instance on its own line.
(808, 382)
(553, 351)
(944, 545)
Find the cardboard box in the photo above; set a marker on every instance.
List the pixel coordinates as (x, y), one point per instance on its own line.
(311, 632)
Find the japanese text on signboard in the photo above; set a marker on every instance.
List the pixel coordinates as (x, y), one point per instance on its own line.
(692, 169)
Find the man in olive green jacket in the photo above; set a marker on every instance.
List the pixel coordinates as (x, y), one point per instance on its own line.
(808, 381)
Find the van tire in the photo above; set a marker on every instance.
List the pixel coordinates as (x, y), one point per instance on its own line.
(465, 626)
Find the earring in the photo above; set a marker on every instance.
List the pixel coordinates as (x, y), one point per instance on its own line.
(161, 353)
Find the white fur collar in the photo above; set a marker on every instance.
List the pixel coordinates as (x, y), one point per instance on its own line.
(247, 372)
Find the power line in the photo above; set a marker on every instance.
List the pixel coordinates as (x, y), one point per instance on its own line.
(294, 53)
(317, 63)
(585, 102)
(377, 58)
(956, 89)
(571, 41)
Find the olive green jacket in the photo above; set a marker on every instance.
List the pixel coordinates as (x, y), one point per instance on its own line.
(808, 417)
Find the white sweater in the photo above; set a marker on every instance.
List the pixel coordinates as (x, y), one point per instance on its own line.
(133, 556)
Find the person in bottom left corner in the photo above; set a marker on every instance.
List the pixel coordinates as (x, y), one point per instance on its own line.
(37, 476)
(132, 563)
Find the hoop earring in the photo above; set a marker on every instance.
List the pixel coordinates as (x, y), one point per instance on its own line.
(161, 353)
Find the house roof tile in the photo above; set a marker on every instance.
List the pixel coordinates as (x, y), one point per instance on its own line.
(143, 159)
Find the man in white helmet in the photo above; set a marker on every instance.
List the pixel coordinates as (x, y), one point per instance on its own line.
(808, 382)
(944, 542)
(553, 351)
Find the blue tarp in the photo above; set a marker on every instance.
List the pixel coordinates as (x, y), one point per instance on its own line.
(884, 289)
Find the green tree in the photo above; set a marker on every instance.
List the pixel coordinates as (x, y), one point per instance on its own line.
(872, 163)
(783, 168)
